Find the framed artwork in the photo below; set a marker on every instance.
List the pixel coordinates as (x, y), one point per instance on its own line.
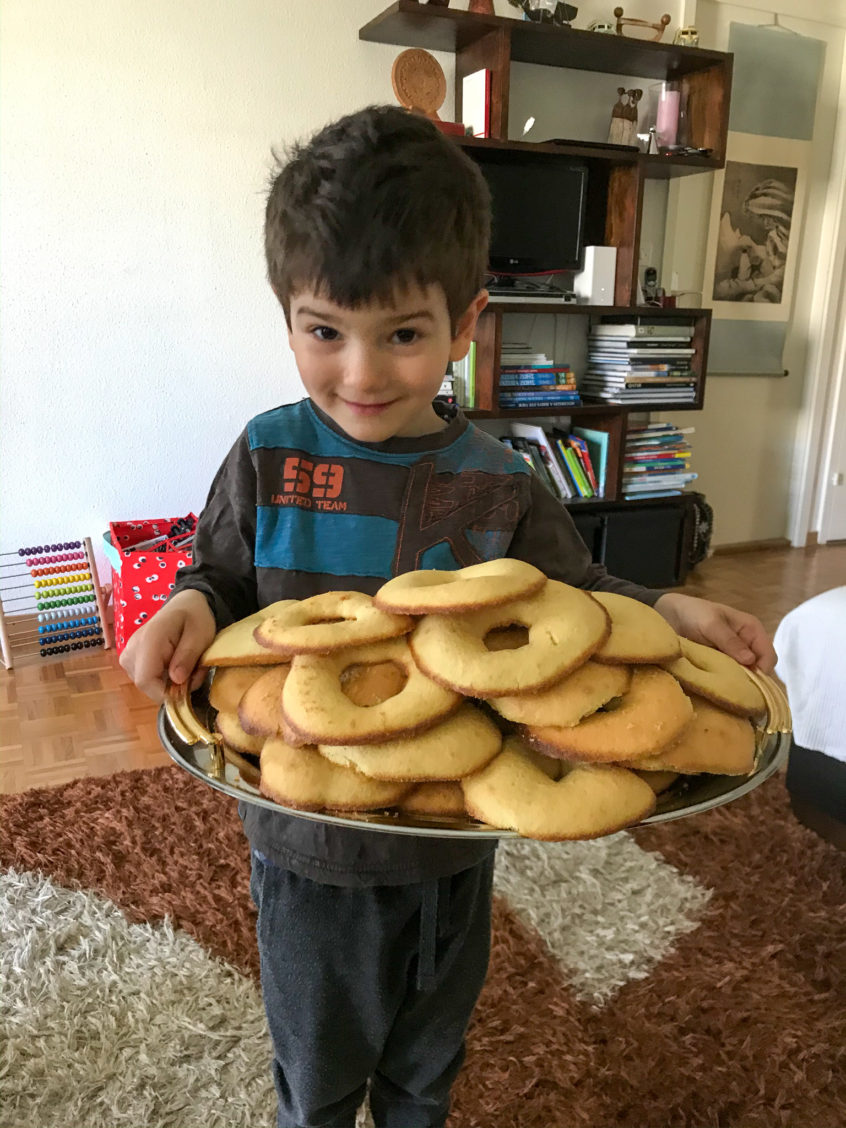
(755, 228)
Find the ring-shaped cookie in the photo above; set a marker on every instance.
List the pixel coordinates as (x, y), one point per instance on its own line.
(565, 627)
(461, 744)
(229, 727)
(587, 801)
(230, 683)
(715, 741)
(302, 778)
(330, 621)
(444, 800)
(235, 645)
(432, 591)
(718, 677)
(566, 702)
(649, 716)
(639, 634)
(260, 709)
(317, 710)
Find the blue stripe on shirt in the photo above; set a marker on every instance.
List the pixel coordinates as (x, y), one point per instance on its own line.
(341, 544)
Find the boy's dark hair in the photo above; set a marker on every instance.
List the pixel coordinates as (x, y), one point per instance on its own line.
(375, 202)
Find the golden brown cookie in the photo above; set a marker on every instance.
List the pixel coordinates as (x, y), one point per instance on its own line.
(318, 711)
(229, 684)
(639, 634)
(444, 799)
(586, 802)
(658, 781)
(461, 744)
(247, 765)
(567, 701)
(229, 727)
(565, 626)
(714, 741)
(710, 673)
(331, 621)
(260, 709)
(432, 591)
(644, 720)
(303, 779)
(235, 645)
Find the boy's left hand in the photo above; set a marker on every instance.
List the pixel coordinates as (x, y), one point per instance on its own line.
(736, 633)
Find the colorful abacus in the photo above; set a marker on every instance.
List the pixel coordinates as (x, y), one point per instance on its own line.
(51, 602)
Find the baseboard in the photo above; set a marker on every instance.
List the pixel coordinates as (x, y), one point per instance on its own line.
(750, 546)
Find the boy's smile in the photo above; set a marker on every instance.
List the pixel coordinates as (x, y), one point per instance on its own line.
(375, 369)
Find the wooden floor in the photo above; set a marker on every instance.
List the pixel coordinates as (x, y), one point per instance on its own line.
(61, 720)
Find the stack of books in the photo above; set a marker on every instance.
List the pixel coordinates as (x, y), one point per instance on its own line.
(464, 378)
(564, 460)
(531, 379)
(642, 361)
(656, 462)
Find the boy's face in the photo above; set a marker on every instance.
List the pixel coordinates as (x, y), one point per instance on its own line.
(376, 369)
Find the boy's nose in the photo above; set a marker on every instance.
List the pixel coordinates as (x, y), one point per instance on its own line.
(365, 372)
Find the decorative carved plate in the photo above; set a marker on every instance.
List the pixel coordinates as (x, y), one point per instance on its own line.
(419, 82)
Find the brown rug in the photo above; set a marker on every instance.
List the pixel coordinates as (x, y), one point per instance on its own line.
(691, 975)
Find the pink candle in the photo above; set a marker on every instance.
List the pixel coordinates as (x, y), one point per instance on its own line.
(667, 117)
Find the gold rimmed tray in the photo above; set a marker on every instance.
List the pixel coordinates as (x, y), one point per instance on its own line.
(186, 729)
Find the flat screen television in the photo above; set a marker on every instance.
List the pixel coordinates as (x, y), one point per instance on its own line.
(538, 214)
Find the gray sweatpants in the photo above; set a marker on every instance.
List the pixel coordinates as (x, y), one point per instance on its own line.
(369, 984)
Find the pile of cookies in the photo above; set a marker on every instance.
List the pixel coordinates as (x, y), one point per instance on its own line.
(490, 692)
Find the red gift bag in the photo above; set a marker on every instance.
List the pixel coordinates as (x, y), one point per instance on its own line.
(147, 572)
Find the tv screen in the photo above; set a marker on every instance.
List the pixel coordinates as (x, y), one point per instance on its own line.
(538, 214)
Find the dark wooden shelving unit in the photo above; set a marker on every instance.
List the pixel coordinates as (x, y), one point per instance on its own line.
(617, 178)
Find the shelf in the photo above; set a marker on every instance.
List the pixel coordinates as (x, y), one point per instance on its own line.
(608, 155)
(568, 409)
(407, 23)
(495, 305)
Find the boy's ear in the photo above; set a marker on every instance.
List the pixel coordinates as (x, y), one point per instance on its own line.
(466, 326)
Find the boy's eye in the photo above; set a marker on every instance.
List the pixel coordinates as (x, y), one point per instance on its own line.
(324, 333)
(405, 336)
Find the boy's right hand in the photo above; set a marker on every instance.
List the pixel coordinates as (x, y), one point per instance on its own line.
(170, 644)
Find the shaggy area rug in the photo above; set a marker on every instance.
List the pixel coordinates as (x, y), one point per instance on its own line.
(690, 975)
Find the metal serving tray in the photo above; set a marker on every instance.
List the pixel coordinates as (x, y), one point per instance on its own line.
(186, 729)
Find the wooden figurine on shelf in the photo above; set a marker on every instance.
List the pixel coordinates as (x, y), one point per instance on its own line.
(658, 28)
(623, 129)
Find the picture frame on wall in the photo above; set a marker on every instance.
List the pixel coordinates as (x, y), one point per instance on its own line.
(757, 210)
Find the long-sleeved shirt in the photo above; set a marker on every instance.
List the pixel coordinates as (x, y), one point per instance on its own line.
(298, 508)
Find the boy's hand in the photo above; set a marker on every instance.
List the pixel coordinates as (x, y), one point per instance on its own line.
(736, 633)
(170, 645)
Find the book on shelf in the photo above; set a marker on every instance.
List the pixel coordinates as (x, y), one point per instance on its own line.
(568, 469)
(668, 481)
(645, 495)
(476, 102)
(536, 404)
(574, 465)
(533, 433)
(597, 446)
(630, 329)
(637, 352)
(464, 378)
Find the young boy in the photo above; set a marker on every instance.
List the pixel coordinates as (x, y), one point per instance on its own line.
(374, 946)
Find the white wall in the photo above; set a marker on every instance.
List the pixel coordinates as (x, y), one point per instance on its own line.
(138, 330)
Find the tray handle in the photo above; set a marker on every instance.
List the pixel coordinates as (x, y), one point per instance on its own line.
(188, 727)
(778, 709)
